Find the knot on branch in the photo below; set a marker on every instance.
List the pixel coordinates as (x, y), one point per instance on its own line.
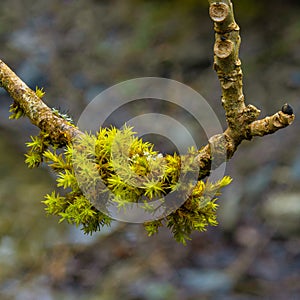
(250, 113)
(218, 11)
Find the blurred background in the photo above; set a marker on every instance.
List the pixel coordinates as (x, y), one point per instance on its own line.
(75, 49)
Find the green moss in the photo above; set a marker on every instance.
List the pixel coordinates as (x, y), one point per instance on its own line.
(117, 164)
(16, 111)
(64, 116)
(40, 92)
(37, 147)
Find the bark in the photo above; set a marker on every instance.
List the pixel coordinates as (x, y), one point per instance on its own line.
(60, 131)
(241, 118)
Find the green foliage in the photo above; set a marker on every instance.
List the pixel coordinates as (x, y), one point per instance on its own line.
(117, 167)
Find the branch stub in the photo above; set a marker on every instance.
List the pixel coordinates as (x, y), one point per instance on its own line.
(218, 12)
(223, 49)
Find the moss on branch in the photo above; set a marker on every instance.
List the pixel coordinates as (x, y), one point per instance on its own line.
(198, 211)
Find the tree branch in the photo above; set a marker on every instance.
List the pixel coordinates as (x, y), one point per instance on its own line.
(270, 124)
(241, 119)
(59, 130)
(198, 210)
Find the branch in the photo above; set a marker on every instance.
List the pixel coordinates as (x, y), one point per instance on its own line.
(241, 119)
(198, 210)
(59, 130)
(271, 124)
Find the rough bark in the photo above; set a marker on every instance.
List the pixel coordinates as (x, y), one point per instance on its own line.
(35, 109)
(241, 118)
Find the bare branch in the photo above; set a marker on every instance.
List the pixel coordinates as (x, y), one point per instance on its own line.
(241, 119)
(270, 124)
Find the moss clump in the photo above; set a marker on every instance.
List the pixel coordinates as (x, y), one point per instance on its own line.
(117, 168)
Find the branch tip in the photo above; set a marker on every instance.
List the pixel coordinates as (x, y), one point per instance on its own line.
(287, 109)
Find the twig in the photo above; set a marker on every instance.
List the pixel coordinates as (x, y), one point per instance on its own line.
(241, 119)
(35, 109)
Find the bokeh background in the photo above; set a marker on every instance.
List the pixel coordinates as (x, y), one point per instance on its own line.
(75, 49)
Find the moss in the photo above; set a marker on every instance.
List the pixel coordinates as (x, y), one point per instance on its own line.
(40, 92)
(16, 111)
(131, 171)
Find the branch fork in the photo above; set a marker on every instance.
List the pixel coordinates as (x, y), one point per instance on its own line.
(241, 119)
